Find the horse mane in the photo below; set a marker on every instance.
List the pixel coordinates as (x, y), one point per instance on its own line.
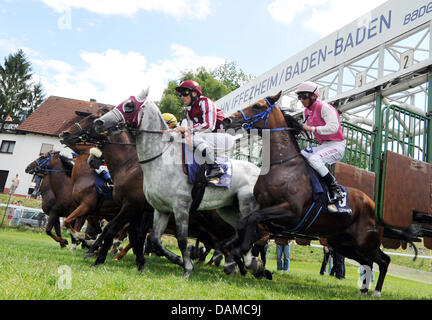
(294, 124)
(67, 164)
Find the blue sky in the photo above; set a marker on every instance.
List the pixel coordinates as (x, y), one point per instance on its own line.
(109, 49)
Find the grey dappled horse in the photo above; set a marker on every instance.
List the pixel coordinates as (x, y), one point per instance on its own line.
(165, 185)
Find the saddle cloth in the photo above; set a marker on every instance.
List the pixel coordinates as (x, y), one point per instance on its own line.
(192, 168)
(320, 192)
(102, 189)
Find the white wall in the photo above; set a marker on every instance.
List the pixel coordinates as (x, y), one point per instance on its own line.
(27, 148)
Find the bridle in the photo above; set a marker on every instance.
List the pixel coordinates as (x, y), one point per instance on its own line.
(249, 122)
(43, 164)
(135, 129)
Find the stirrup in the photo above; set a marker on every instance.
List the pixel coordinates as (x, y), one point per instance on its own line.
(334, 197)
(215, 172)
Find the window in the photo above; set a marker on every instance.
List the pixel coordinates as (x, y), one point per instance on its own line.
(46, 148)
(7, 146)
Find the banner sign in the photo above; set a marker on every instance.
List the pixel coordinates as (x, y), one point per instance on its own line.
(379, 26)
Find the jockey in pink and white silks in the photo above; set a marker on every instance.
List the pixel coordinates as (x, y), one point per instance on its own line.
(204, 119)
(322, 119)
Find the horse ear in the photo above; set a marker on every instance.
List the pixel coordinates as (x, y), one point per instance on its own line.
(275, 98)
(143, 95)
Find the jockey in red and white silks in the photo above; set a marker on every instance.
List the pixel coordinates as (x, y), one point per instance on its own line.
(322, 119)
(204, 119)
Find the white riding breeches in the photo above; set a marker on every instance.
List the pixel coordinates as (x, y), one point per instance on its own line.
(101, 169)
(328, 152)
(211, 143)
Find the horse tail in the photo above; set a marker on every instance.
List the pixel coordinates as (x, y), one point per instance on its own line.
(405, 235)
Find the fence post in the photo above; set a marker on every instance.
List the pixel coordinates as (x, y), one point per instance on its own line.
(429, 121)
(377, 147)
(7, 206)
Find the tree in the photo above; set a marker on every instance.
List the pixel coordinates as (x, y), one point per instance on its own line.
(214, 83)
(19, 95)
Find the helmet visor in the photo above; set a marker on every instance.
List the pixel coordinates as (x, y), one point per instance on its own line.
(304, 95)
(184, 92)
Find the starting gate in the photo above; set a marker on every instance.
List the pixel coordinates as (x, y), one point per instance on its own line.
(388, 164)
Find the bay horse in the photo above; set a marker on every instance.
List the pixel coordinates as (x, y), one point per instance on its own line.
(285, 195)
(122, 162)
(56, 192)
(165, 185)
(119, 153)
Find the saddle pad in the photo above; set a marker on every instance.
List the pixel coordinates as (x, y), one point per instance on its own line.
(102, 188)
(192, 168)
(320, 191)
(224, 181)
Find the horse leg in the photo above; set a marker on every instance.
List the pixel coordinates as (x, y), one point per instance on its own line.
(96, 245)
(113, 227)
(383, 262)
(352, 253)
(80, 211)
(138, 229)
(123, 252)
(54, 221)
(182, 224)
(160, 222)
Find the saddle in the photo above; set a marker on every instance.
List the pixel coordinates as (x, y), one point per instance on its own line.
(104, 191)
(196, 175)
(320, 192)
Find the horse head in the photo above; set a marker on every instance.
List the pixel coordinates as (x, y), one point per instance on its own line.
(128, 114)
(42, 164)
(256, 116)
(83, 131)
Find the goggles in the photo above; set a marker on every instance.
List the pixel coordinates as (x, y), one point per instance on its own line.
(304, 95)
(184, 93)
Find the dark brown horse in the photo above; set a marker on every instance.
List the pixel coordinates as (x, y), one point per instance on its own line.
(122, 162)
(119, 153)
(56, 192)
(285, 195)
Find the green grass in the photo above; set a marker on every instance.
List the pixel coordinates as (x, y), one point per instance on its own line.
(30, 261)
(31, 203)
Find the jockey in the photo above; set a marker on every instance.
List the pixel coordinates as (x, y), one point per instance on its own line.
(322, 119)
(103, 172)
(170, 120)
(204, 119)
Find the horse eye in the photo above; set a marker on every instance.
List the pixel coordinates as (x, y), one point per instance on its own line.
(257, 108)
(129, 107)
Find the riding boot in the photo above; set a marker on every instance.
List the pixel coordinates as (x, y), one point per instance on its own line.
(335, 193)
(214, 171)
(107, 178)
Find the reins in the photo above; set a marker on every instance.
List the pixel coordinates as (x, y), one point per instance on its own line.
(160, 154)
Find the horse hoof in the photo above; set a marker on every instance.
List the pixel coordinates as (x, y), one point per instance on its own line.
(268, 274)
(113, 252)
(377, 294)
(187, 274)
(363, 292)
(96, 263)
